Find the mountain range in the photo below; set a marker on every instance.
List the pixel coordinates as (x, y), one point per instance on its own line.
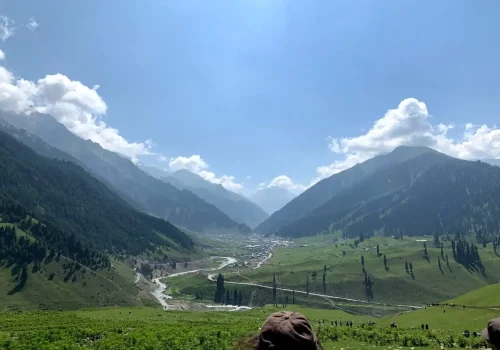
(234, 205)
(412, 190)
(139, 189)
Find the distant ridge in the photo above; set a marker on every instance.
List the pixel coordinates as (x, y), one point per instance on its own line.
(143, 191)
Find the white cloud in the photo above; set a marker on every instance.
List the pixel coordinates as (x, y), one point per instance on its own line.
(196, 164)
(409, 124)
(226, 181)
(285, 182)
(73, 104)
(32, 24)
(7, 28)
(2, 55)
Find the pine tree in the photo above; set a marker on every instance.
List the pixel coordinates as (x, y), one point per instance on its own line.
(378, 250)
(324, 279)
(362, 261)
(240, 299)
(307, 286)
(293, 297)
(219, 290)
(437, 243)
(235, 297)
(442, 252)
(385, 262)
(406, 266)
(228, 299)
(425, 249)
(439, 262)
(274, 289)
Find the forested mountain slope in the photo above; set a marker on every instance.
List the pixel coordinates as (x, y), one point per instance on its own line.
(80, 205)
(328, 188)
(235, 206)
(153, 196)
(42, 266)
(432, 193)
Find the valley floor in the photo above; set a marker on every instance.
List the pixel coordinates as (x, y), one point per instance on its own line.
(248, 266)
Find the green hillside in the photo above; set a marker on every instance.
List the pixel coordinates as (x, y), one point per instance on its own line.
(488, 296)
(50, 288)
(63, 193)
(469, 311)
(445, 318)
(139, 189)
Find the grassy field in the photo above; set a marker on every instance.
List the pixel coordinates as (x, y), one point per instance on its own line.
(147, 328)
(50, 288)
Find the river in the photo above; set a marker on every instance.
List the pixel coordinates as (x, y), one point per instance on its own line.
(159, 292)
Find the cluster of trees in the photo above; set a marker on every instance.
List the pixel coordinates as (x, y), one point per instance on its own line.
(466, 253)
(409, 269)
(223, 295)
(146, 269)
(237, 298)
(38, 242)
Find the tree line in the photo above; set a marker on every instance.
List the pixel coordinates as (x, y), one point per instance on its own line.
(224, 296)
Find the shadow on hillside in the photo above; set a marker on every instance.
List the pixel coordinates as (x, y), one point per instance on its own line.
(49, 259)
(20, 285)
(441, 269)
(449, 268)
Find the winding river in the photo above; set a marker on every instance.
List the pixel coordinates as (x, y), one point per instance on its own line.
(159, 292)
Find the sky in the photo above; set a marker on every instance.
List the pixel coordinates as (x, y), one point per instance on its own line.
(257, 93)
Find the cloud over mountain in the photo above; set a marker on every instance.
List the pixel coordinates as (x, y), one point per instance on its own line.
(410, 125)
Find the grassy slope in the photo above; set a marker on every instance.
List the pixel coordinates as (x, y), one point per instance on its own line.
(345, 277)
(454, 319)
(484, 297)
(452, 315)
(112, 287)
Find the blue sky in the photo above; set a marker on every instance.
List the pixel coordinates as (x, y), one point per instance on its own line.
(244, 92)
